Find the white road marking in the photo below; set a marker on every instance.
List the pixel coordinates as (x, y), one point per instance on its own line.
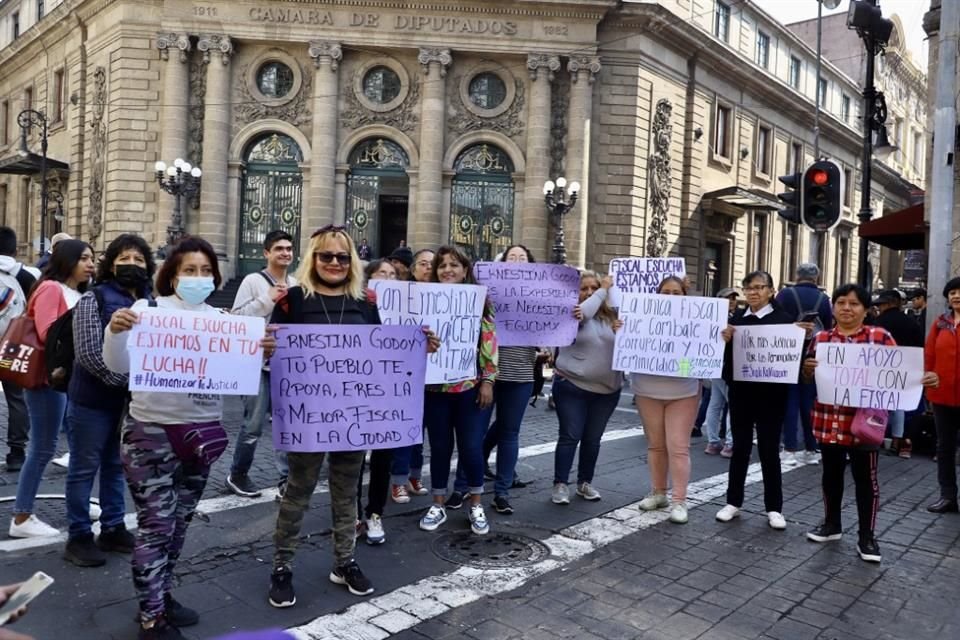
(412, 604)
(230, 502)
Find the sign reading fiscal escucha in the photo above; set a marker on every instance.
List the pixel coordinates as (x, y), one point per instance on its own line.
(642, 275)
(676, 336)
(533, 302)
(178, 351)
(869, 376)
(347, 387)
(768, 353)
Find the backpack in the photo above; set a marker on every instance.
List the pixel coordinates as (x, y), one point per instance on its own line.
(818, 321)
(13, 298)
(60, 353)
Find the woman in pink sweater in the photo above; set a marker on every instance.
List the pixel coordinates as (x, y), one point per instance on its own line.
(63, 281)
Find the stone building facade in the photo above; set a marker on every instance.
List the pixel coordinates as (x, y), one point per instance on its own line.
(432, 122)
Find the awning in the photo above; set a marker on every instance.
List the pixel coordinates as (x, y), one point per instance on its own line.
(29, 164)
(744, 198)
(904, 229)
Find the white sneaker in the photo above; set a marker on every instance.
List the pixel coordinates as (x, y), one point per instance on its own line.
(654, 501)
(62, 461)
(95, 512)
(776, 520)
(790, 459)
(587, 492)
(375, 534)
(728, 513)
(561, 494)
(478, 520)
(678, 513)
(32, 527)
(810, 457)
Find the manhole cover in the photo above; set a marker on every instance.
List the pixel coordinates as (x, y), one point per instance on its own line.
(493, 551)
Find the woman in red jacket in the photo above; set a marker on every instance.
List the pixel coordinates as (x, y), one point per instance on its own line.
(941, 357)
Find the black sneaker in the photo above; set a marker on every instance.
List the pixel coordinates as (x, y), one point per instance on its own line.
(240, 484)
(83, 552)
(488, 473)
(177, 614)
(868, 548)
(281, 589)
(161, 630)
(15, 460)
(825, 533)
(455, 501)
(117, 539)
(350, 575)
(502, 505)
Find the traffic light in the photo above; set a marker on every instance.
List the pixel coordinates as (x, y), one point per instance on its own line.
(792, 198)
(822, 197)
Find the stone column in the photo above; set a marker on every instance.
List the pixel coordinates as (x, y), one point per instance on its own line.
(174, 114)
(534, 224)
(217, 50)
(423, 223)
(583, 70)
(321, 198)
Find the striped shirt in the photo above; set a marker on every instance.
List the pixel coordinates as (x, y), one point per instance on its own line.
(516, 364)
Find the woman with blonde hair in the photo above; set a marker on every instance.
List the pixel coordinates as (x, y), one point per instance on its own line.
(586, 389)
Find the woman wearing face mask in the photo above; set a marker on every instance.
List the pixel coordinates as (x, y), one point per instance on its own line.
(166, 474)
(63, 281)
(96, 401)
(460, 410)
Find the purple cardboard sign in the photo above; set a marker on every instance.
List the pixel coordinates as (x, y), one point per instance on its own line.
(534, 302)
(347, 387)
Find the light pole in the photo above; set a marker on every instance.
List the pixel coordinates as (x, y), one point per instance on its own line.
(27, 119)
(181, 181)
(560, 199)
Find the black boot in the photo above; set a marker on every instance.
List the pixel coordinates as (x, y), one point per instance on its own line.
(83, 552)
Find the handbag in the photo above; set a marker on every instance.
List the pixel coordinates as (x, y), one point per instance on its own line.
(870, 425)
(22, 359)
(197, 444)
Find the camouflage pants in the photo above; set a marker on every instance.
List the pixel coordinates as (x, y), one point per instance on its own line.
(304, 474)
(165, 493)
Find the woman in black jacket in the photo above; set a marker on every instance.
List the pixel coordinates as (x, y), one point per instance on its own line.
(759, 405)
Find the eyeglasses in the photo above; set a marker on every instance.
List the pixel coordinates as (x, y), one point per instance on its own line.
(327, 229)
(327, 257)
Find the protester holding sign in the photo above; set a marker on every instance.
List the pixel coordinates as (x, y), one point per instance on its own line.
(97, 397)
(168, 441)
(833, 428)
(59, 289)
(460, 410)
(667, 407)
(585, 388)
(756, 406)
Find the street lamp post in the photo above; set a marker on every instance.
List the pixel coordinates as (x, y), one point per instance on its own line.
(181, 180)
(560, 199)
(27, 119)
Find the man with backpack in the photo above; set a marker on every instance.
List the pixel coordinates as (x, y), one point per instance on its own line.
(16, 281)
(810, 307)
(256, 297)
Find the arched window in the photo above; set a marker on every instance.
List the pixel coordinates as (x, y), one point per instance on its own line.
(482, 202)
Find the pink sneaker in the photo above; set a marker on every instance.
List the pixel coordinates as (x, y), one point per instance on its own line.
(713, 449)
(727, 451)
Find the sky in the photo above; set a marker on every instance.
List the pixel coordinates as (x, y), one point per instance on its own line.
(910, 11)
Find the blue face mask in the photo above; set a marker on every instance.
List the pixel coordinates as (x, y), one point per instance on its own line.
(194, 289)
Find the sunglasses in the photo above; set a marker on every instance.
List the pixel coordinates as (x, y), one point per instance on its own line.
(327, 229)
(327, 257)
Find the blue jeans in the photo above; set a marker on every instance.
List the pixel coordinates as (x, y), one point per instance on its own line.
(583, 418)
(800, 398)
(407, 463)
(449, 415)
(46, 408)
(255, 410)
(94, 437)
(715, 411)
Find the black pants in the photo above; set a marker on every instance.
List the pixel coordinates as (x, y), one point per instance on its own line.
(863, 465)
(18, 424)
(947, 420)
(380, 460)
(754, 406)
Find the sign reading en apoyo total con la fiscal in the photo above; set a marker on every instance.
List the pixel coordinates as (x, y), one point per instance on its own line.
(677, 336)
(642, 275)
(768, 353)
(869, 376)
(177, 351)
(452, 311)
(533, 302)
(347, 387)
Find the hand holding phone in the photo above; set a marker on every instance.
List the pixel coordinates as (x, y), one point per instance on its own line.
(15, 598)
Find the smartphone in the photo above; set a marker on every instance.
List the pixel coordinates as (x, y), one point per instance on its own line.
(24, 595)
(810, 316)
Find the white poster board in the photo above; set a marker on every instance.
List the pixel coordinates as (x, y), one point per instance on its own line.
(452, 311)
(676, 336)
(642, 275)
(869, 375)
(176, 351)
(768, 353)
